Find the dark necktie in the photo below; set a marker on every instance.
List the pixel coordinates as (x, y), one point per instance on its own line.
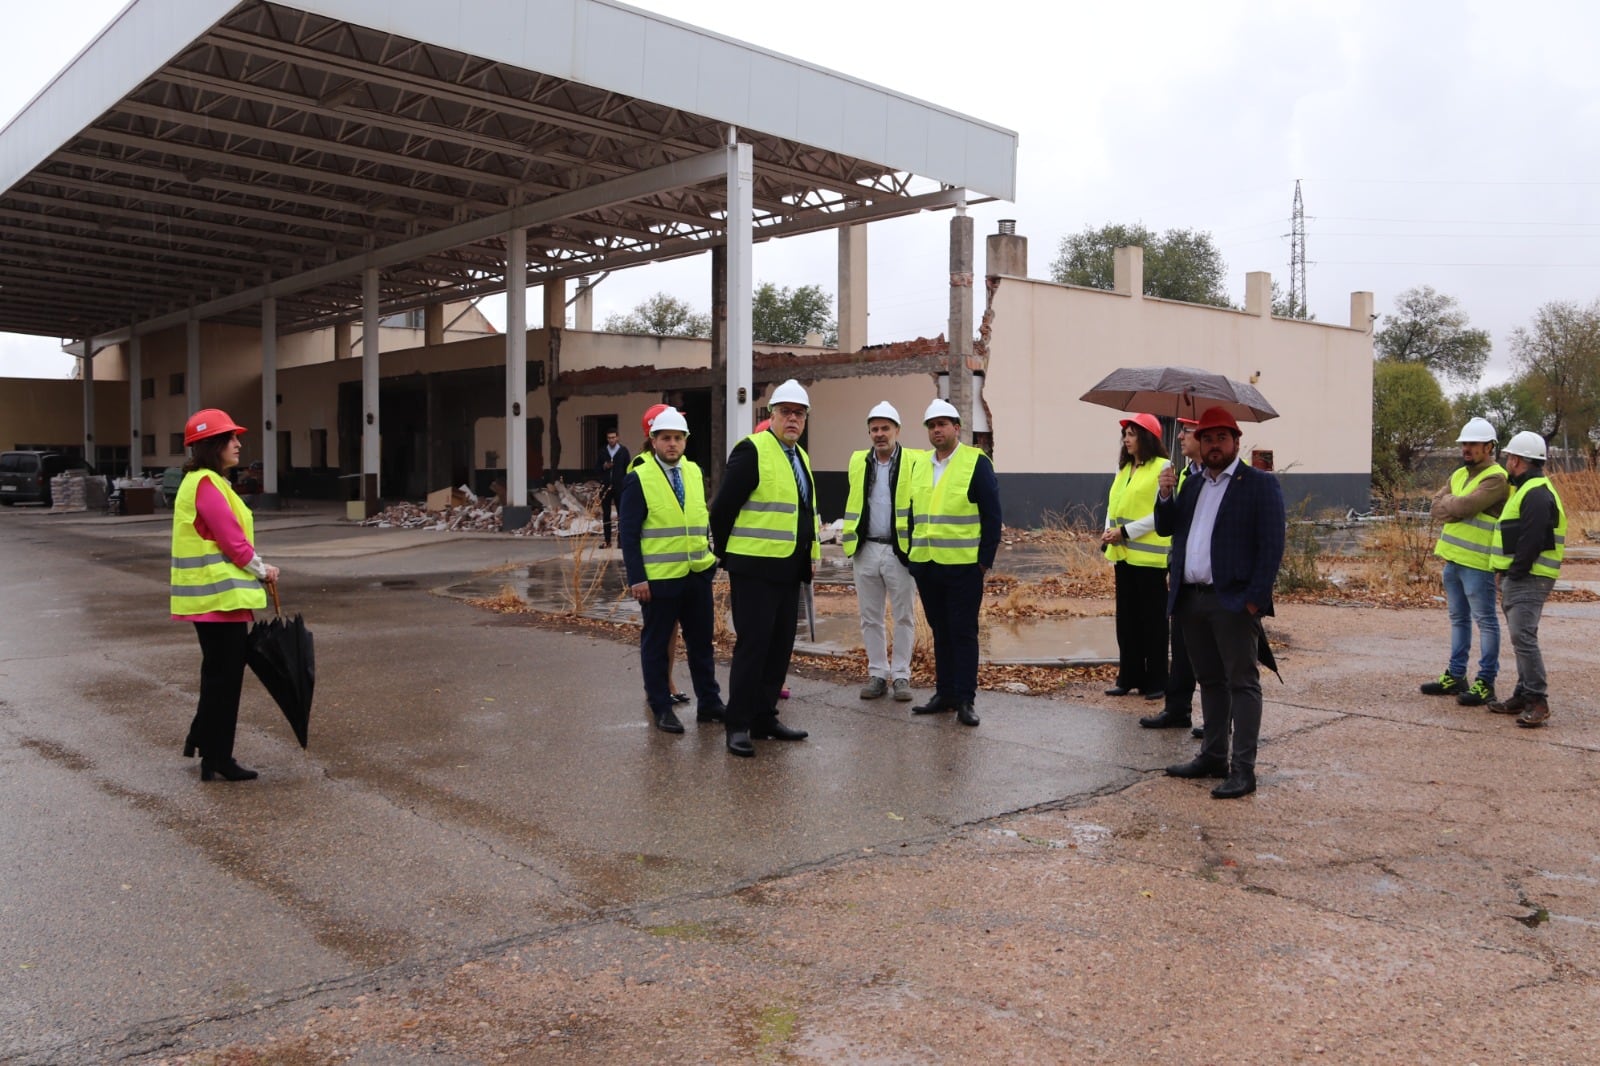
(677, 483)
(799, 474)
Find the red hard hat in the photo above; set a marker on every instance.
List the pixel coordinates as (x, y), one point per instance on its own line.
(762, 426)
(650, 416)
(1144, 421)
(1216, 418)
(208, 422)
(1191, 422)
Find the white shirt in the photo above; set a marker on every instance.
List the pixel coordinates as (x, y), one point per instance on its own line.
(880, 505)
(939, 464)
(1197, 555)
(613, 449)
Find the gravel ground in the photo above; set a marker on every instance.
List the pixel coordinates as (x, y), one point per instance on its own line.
(1414, 881)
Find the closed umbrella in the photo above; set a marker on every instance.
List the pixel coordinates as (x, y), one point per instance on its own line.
(1178, 392)
(281, 653)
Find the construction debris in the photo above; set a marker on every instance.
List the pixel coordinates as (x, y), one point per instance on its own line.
(560, 511)
(77, 491)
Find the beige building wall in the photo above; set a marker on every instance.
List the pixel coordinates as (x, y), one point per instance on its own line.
(49, 412)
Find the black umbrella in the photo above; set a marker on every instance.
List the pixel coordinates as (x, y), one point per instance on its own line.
(1264, 654)
(281, 654)
(1178, 392)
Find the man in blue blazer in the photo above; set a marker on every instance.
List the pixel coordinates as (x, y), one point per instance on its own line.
(1227, 529)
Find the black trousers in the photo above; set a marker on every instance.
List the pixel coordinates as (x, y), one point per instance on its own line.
(692, 609)
(765, 614)
(216, 718)
(1180, 678)
(1223, 648)
(609, 501)
(1141, 627)
(951, 598)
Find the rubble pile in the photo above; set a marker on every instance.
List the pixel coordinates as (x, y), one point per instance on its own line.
(561, 510)
(76, 491)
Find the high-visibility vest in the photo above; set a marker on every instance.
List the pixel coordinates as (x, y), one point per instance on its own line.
(945, 527)
(674, 539)
(768, 524)
(1133, 496)
(1470, 541)
(857, 494)
(203, 579)
(1508, 531)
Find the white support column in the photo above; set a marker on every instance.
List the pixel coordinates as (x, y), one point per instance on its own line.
(191, 381)
(371, 427)
(741, 374)
(269, 395)
(516, 367)
(88, 400)
(852, 288)
(135, 404)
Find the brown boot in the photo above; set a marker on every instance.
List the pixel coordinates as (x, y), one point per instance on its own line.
(1536, 713)
(1516, 703)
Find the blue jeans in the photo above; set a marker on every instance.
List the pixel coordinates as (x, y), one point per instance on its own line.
(1469, 595)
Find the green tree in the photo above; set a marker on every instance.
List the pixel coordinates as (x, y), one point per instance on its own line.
(785, 316)
(1559, 355)
(1429, 328)
(1510, 407)
(1409, 417)
(1281, 308)
(660, 316)
(1179, 264)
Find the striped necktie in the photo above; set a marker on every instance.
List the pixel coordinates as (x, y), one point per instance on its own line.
(676, 477)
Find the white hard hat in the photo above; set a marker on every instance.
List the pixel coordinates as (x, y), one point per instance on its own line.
(1477, 431)
(941, 409)
(790, 391)
(671, 418)
(884, 410)
(1527, 444)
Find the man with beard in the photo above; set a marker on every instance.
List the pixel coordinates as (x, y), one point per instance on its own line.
(1227, 529)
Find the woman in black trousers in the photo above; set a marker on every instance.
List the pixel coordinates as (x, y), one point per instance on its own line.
(1140, 558)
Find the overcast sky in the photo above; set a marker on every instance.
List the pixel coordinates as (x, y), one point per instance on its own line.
(1448, 144)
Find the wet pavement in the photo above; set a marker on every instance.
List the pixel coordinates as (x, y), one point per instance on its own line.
(472, 779)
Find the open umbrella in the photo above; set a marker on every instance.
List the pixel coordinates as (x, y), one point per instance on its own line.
(1178, 392)
(281, 654)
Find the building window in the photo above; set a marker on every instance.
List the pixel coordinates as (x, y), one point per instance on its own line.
(147, 443)
(413, 319)
(147, 389)
(319, 448)
(175, 444)
(175, 384)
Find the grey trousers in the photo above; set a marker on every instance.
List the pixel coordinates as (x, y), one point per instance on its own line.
(1522, 599)
(1222, 648)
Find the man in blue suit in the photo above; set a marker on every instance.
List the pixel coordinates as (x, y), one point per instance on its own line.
(1227, 529)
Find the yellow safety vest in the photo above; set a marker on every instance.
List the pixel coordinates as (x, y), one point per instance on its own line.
(945, 527)
(768, 525)
(858, 490)
(674, 540)
(1548, 564)
(1133, 496)
(203, 579)
(1470, 541)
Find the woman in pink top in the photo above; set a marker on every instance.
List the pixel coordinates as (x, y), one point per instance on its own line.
(217, 582)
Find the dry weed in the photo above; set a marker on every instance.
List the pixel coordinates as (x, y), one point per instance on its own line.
(586, 571)
(1580, 495)
(1073, 540)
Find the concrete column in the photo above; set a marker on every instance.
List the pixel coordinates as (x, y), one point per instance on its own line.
(433, 325)
(191, 381)
(1006, 253)
(269, 396)
(88, 400)
(371, 426)
(1361, 316)
(135, 403)
(555, 304)
(739, 389)
(517, 372)
(1127, 272)
(1258, 293)
(583, 307)
(960, 331)
(852, 288)
(341, 340)
(720, 444)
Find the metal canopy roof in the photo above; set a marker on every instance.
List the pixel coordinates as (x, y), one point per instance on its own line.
(283, 147)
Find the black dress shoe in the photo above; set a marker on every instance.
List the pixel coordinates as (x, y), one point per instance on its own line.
(776, 730)
(668, 722)
(1165, 720)
(1118, 690)
(1199, 766)
(966, 715)
(1197, 732)
(190, 746)
(711, 712)
(680, 697)
(937, 705)
(1239, 783)
(228, 771)
(739, 744)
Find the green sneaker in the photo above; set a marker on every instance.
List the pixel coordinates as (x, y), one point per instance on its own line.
(1447, 685)
(1480, 693)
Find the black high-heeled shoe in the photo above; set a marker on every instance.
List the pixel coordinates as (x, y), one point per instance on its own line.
(228, 771)
(680, 697)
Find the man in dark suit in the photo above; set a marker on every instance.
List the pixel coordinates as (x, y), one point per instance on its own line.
(1227, 529)
(764, 528)
(613, 473)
